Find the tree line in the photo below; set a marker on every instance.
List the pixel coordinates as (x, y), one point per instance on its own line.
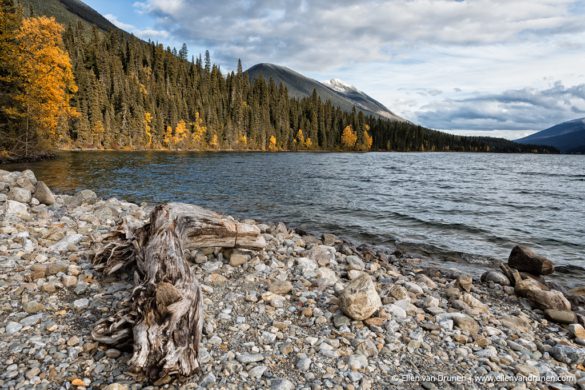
(87, 88)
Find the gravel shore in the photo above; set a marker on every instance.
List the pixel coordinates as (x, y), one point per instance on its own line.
(305, 312)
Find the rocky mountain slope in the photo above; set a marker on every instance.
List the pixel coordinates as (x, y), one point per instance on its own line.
(568, 137)
(70, 11)
(303, 312)
(339, 94)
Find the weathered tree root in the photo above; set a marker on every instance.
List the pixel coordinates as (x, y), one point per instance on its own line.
(164, 316)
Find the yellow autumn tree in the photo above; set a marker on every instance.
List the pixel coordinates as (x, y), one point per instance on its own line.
(272, 144)
(214, 141)
(168, 138)
(181, 133)
(308, 143)
(348, 137)
(300, 138)
(199, 131)
(148, 129)
(45, 83)
(368, 139)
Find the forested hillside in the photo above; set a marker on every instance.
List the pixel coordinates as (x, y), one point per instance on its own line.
(137, 95)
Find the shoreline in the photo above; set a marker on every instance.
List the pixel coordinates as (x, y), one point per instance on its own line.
(276, 317)
(54, 154)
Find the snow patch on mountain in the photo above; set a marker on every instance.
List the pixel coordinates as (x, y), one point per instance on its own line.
(340, 86)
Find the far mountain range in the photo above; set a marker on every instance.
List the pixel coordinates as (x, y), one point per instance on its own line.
(567, 137)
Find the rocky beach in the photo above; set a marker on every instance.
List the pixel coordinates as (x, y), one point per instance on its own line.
(299, 312)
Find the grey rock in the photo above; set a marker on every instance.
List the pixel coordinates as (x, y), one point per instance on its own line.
(496, 277)
(32, 320)
(20, 195)
(257, 372)
(83, 197)
(44, 194)
(330, 239)
(567, 354)
(357, 362)
(13, 208)
(82, 303)
(355, 263)
(30, 175)
(281, 384)
(303, 363)
(246, 358)
(63, 245)
(359, 300)
(208, 380)
(13, 327)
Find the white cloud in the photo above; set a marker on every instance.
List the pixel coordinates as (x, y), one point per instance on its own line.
(521, 109)
(322, 34)
(147, 33)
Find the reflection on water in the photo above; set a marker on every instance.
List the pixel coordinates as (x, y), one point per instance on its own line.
(478, 204)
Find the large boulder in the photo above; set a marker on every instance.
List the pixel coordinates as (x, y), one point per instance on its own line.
(21, 195)
(30, 175)
(83, 197)
(549, 299)
(359, 300)
(15, 209)
(525, 260)
(44, 194)
(322, 254)
(496, 277)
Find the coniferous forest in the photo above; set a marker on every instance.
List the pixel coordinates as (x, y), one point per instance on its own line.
(134, 95)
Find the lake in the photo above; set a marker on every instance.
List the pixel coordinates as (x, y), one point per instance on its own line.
(452, 205)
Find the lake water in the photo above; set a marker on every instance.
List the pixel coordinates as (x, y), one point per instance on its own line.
(472, 206)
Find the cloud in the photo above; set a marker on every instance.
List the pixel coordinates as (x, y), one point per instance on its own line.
(147, 33)
(319, 34)
(518, 109)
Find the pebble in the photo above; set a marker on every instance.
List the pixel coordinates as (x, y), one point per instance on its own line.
(281, 384)
(13, 327)
(80, 304)
(250, 358)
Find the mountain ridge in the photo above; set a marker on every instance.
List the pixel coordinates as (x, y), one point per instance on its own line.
(66, 12)
(301, 86)
(568, 137)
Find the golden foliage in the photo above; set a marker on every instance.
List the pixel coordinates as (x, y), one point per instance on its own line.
(368, 139)
(199, 130)
(148, 129)
(272, 144)
(348, 137)
(308, 143)
(300, 138)
(44, 77)
(243, 139)
(168, 138)
(181, 133)
(214, 141)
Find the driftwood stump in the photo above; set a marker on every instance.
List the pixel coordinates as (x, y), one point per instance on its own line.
(164, 317)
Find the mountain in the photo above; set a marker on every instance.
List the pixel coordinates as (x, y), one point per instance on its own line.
(568, 137)
(70, 11)
(337, 92)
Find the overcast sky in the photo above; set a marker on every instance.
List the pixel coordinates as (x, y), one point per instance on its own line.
(490, 67)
